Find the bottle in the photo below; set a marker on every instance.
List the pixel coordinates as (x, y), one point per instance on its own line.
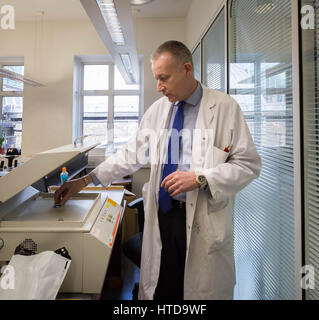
(64, 175)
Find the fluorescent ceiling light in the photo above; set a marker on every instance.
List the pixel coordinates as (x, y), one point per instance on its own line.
(125, 54)
(128, 65)
(112, 22)
(4, 73)
(140, 2)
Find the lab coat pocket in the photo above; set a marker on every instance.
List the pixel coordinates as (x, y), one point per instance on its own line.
(219, 156)
(217, 202)
(214, 156)
(220, 226)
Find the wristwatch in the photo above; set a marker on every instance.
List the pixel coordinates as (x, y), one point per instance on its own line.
(201, 180)
(86, 180)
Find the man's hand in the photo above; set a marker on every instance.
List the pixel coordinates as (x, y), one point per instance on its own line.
(68, 189)
(179, 181)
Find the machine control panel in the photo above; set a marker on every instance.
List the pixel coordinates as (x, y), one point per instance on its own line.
(107, 222)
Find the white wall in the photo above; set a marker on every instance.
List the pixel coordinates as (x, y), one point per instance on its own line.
(150, 33)
(48, 52)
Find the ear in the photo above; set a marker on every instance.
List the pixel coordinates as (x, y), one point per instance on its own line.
(188, 67)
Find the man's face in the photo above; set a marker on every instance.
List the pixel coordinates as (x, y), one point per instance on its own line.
(172, 78)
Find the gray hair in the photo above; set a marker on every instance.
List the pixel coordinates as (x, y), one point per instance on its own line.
(177, 49)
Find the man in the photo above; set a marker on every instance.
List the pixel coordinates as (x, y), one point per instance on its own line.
(187, 250)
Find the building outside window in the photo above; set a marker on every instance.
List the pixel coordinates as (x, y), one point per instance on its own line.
(266, 82)
(110, 109)
(11, 107)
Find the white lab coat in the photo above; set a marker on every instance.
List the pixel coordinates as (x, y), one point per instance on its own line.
(209, 267)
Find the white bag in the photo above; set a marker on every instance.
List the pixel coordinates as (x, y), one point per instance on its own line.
(35, 277)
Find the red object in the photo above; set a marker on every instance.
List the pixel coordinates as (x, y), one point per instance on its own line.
(227, 149)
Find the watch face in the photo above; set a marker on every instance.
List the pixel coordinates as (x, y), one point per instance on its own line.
(202, 181)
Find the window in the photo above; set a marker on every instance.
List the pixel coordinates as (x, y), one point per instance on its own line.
(261, 89)
(11, 106)
(261, 82)
(110, 108)
(214, 58)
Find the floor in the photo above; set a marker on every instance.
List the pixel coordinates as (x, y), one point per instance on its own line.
(130, 274)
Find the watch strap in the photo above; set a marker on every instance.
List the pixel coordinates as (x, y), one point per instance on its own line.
(86, 180)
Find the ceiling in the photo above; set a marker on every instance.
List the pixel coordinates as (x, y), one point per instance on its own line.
(28, 10)
(162, 9)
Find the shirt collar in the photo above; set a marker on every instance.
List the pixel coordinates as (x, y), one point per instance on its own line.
(195, 98)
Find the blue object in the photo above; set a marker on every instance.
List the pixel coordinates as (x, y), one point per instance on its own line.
(165, 200)
(64, 176)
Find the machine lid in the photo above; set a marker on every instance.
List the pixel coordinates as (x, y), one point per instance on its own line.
(37, 167)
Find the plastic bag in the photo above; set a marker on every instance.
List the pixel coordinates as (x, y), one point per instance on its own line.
(34, 276)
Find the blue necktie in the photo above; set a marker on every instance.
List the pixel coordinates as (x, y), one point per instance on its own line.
(165, 200)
